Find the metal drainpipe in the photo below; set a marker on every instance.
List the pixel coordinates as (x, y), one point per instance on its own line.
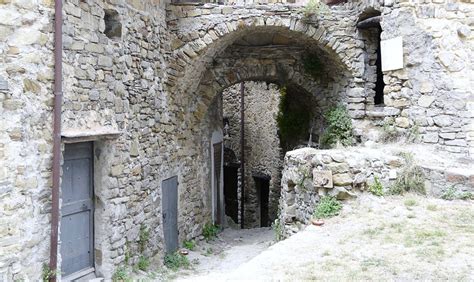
(58, 94)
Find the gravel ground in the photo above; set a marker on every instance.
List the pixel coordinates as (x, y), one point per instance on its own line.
(392, 238)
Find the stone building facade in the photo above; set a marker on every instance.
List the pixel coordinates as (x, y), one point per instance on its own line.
(140, 78)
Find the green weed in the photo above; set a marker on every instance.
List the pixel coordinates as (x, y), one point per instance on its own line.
(120, 274)
(143, 237)
(410, 202)
(339, 128)
(143, 263)
(410, 178)
(190, 245)
(376, 188)
(328, 206)
(210, 231)
(176, 261)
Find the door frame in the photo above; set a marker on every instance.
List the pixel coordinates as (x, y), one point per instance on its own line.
(217, 137)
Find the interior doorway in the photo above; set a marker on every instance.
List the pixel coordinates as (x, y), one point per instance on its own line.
(231, 192)
(262, 185)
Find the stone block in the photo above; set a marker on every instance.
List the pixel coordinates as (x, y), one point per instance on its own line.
(343, 179)
(443, 120)
(426, 101)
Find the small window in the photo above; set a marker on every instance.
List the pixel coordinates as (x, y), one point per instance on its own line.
(113, 27)
(379, 83)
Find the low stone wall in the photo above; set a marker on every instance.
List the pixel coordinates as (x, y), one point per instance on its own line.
(309, 174)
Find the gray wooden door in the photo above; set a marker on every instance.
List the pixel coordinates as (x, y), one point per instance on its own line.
(169, 207)
(77, 211)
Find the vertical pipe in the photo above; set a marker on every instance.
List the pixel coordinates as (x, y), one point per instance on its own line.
(58, 93)
(242, 155)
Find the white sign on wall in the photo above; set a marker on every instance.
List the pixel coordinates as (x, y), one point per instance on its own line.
(392, 54)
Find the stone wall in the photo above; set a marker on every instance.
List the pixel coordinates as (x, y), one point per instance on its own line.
(263, 156)
(434, 90)
(309, 174)
(26, 78)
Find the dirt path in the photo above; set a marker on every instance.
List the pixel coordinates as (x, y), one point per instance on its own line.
(402, 238)
(231, 249)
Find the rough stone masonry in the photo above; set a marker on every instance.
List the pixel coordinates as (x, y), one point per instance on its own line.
(143, 73)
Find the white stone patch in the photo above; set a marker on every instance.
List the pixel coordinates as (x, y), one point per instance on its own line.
(392, 54)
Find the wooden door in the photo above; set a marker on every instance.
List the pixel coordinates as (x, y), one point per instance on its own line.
(170, 213)
(77, 210)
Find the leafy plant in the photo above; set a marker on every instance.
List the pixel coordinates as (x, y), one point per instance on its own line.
(314, 7)
(210, 231)
(413, 133)
(190, 245)
(176, 261)
(278, 229)
(313, 66)
(143, 236)
(410, 178)
(328, 206)
(47, 273)
(292, 122)
(376, 188)
(120, 274)
(339, 128)
(143, 263)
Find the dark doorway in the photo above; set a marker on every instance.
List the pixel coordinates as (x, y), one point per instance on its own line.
(77, 210)
(217, 182)
(230, 192)
(262, 184)
(379, 83)
(169, 205)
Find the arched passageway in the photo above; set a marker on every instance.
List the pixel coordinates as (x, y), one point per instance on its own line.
(315, 78)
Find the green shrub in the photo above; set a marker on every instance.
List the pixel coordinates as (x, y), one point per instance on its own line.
(120, 274)
(47, 273)
(143, 263)
(176, 261)
(314, 7)
(190, 245)
(210, 231)
(410, 178)
(376, 188)
(452, 194)
(328, 206)
(339, 128)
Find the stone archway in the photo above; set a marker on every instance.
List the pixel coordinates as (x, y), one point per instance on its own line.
(254, 44)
